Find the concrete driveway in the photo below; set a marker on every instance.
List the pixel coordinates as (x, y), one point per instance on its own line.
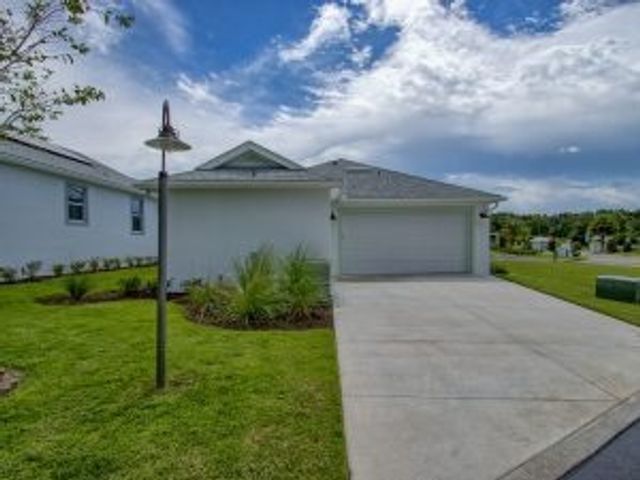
(465, 378)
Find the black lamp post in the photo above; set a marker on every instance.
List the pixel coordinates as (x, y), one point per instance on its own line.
(166, 141)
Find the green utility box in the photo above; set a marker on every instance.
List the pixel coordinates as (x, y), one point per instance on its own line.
(624, 289)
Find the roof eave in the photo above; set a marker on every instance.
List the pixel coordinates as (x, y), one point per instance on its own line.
(230, 184)
(66, 173)
(419, 202)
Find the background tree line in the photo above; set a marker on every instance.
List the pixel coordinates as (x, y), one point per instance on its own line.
(616, 229)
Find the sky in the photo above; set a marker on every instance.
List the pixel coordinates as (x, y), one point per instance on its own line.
(538, 100)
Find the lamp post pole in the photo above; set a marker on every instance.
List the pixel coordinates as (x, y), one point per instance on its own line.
(161, 323)
(166, 141)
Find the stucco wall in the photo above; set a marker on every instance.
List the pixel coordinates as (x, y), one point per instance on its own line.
(210, 228)
(33, 224)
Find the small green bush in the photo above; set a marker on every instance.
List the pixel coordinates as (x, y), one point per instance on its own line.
(30, 269)
(498, 269)
(150, 288)
(77, 287)
(300, 285)
(94, 264)
(130, 286)
(612, 245)
(255, 300)
(77, 266)
(208, 301)
(58, 269)
(9, 274)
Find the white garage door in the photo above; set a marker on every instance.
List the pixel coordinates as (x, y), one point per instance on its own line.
(404, 241)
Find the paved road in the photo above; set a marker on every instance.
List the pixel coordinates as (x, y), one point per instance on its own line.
(462, 378)
(620, 460)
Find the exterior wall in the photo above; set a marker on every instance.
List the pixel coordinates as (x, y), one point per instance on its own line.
(480, 252)
(208, 229)
(33, 222)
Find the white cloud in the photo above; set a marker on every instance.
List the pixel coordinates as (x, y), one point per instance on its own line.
(571, 149)
(555, 194)
(446, 89)
(171, 22)
(331, 24)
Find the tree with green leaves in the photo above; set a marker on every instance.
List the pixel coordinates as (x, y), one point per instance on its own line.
(35, 37)
(603, 225)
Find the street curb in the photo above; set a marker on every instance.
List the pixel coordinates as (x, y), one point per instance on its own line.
(556, 460)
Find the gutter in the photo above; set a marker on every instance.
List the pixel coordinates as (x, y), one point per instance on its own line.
(417, 202)
(231, 184)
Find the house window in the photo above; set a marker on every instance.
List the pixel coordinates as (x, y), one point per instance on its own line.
(77, 204)
(137, 215)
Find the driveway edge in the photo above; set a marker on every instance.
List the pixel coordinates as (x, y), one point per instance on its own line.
(558, 459)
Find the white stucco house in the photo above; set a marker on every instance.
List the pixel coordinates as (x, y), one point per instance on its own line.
(362, 219)
(58, 206)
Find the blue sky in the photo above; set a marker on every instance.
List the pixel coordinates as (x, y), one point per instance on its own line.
(536, 99)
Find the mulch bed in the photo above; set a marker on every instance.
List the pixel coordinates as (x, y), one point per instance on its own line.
(321, 317)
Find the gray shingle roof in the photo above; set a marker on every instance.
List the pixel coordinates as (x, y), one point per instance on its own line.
(247, 175)
(248, 163)
(363, 181)
(51, 158)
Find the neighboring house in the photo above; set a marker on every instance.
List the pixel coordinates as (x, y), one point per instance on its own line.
(57, 206)
(540, 244)
(598, 244)
(362, 219)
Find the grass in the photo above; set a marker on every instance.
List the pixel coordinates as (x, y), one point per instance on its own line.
(240, 405)
(573, 281)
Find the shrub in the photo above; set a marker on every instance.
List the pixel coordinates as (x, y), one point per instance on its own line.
(256, 299)
(77, 266)
(130, 262)
(576, 249)
(58, 269)
(627, 247)
(208, 301)
(117, 264)
(130, 286)
(498, 269)
(77, 287)
(106, 264)
(9, 274)
(150, 288)
(300, 285)
(94, 264)
(612, 245)
(31, 269)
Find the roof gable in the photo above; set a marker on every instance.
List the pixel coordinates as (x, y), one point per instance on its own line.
(249, 156)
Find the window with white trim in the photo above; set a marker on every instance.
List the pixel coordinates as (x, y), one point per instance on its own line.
(77, 204)
(137, 214)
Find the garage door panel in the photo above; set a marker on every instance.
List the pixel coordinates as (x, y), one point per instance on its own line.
(404, 242)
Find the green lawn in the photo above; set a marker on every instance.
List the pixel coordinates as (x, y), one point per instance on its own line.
(259, 405)
(573, 281)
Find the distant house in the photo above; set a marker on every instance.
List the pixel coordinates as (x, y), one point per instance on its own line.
(57, 206)
(540, 244)
(359, 218)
